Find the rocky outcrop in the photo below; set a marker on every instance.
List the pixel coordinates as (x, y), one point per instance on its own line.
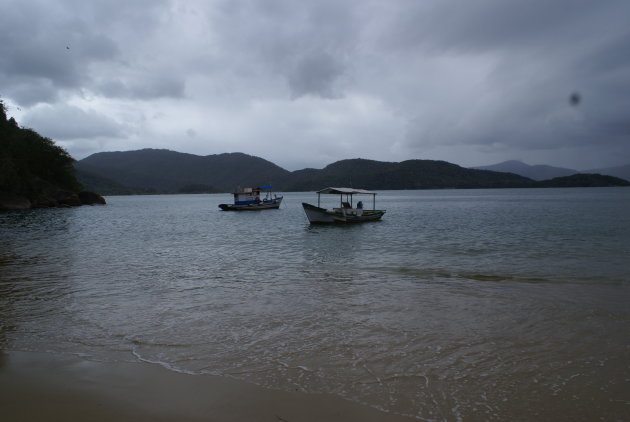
(50, 195)
(91, 198)
(51, 198)
(13, 202)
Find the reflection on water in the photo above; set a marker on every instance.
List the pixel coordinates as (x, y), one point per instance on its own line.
(473, 305)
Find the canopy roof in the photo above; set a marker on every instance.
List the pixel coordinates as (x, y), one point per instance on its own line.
(346, 191)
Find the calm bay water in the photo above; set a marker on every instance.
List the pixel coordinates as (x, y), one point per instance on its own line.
(458, 305)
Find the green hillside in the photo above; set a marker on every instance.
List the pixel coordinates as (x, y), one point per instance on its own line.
(34, 172)
(164, 171)
(583, 180)
(410, 174)
(27, 159)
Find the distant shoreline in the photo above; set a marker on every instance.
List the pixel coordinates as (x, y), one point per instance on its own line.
(380, 190)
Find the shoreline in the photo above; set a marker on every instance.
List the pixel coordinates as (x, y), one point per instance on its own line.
(37, 386)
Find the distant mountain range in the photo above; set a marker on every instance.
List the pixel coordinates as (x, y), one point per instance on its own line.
(543, 172)
(410, 174)
(164, 171)
(161, 171)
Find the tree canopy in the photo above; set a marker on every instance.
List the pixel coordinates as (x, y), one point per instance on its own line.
(29, 160)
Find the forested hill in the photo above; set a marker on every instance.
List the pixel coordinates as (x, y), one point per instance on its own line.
(164, 171)
(427, 174)
(583, 180)
(410, 174)
(544, 172)
(537, 172)
(34, 172)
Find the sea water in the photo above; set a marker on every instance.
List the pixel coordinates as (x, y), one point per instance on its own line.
(507, 304)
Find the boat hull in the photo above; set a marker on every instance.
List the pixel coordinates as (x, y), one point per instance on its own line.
(317, 215)
(265, 205)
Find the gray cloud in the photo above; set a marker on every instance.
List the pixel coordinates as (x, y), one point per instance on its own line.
(305, 43)
(495, 25)
(542, 52)
(63, 122)
(28, 91)
(153, 86)
(72, 45)
(315, 74)
(43, 48)
(467, 82)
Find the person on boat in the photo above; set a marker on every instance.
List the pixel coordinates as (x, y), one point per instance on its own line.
(360, 205)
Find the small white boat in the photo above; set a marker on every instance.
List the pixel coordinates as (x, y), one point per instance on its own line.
(250, 199)
(347, 212)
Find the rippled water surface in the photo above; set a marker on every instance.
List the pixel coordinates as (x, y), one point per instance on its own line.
(458, 305)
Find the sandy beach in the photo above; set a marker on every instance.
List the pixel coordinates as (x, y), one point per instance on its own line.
(41, 386)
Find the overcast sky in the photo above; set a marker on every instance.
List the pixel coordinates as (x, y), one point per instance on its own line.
(307, 83)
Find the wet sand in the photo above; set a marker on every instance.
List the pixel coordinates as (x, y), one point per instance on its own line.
(40, 386)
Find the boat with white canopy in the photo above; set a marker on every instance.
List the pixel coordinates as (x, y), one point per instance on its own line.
(347, 212)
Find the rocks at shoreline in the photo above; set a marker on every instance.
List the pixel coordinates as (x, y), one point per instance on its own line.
(53, 198)
(91, 198)
(14, 202)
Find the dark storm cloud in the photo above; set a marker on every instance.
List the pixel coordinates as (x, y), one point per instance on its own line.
(48, 48)
(543, 51)
(457, 80)
(39, 52)
(537, 52)
(28, 91)
(491, 25)
(307, 43)
(315, 74)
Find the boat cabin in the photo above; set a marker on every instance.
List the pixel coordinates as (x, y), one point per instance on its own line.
(247, 196)
(253, 199)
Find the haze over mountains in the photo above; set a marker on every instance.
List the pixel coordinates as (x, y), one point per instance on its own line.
(165, 171)
(544, 172)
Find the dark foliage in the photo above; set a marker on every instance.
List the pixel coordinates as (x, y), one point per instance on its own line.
(196, 188)
(107, 186)
(164, 171)
(583, 180)
(410, 174)
(29, 161)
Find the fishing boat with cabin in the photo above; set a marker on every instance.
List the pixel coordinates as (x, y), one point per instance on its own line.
(347, 212)
(253, 199)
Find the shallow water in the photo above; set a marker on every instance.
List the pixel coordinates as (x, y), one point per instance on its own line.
(458, 305)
